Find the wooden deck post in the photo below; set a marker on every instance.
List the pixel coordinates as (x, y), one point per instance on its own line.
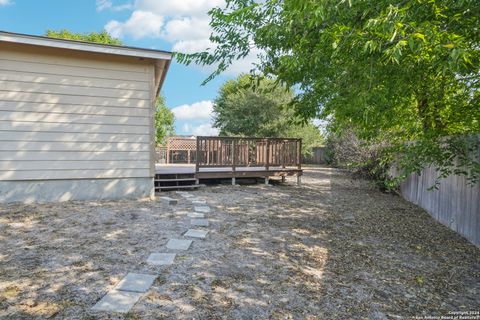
(207, 150)
(267, 154)
(299, 154)
(234, 160)
(299, 162)
(197, 160)
(168, 151)
(283, 159)
(267, 160)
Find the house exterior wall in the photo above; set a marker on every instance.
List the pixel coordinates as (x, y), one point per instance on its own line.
(74, 125)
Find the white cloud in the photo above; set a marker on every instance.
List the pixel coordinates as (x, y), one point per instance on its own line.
(196, 111)
(5, 2)
(204, 130)
(185, 19)
(140, 24)
(110, 5)
(192, 46)
(178, 7)
(187, 28)
(183, 23)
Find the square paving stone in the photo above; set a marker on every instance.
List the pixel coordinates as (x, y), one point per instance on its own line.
(204, 209)
(136, 282)
(349, 217)
(161, 259)
(196, 215)
(184, 194)
(117, 301)
(179, 244)
(199, 222)
(168, 200)
(195, 233)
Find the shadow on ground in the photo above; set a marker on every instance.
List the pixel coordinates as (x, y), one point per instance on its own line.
(334, 248)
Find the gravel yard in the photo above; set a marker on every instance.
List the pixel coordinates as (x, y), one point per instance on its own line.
(334, 248)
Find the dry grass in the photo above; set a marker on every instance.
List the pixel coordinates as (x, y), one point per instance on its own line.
(335, 248)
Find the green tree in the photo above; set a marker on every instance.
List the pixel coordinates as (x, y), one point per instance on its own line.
(397, 71)
(257, 107)
(97, 37)
(310, 134)
(244, 108)
(164, 121)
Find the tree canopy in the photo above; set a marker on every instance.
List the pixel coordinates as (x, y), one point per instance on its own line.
(260, 110)
(401, 71)
(97, 37)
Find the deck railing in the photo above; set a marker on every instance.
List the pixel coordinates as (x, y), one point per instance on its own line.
(214, 152)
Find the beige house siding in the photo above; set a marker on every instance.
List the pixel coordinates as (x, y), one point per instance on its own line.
(73, 115)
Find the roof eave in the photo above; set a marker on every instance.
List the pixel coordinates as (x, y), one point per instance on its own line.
(84, 46)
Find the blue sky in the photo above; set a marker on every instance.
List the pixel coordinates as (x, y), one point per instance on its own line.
(180, 25)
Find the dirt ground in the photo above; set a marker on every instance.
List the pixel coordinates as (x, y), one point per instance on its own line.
(334, 248)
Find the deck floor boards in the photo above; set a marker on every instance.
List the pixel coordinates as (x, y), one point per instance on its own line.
(165, 169)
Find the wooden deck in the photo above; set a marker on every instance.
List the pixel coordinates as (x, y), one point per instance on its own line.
(226, 172)
(236, 157)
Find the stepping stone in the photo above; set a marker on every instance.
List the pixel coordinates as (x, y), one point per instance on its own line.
(199, 202)
(161, 259)
(195, 233)
(184, 194)
(168, 200)
(136, 282)
(117, 301)
(196, 215)
(179, 244)
(199, 222)
(204, 209)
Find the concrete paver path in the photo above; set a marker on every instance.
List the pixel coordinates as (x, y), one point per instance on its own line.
(117, 301)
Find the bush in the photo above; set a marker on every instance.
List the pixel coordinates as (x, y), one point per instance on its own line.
(363, 159)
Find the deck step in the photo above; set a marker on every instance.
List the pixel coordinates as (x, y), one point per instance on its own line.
(173, 180)
(192, 186)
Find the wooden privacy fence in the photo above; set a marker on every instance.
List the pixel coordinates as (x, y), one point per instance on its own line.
(455, 204)
(214, 152)
(318, 156)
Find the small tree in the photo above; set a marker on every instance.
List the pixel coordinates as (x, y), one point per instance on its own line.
(258, 107)
(248, 109)
(164, 121)
(310, 134)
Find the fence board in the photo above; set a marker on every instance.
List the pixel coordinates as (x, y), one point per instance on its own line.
(455, 204)
(318, 156)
